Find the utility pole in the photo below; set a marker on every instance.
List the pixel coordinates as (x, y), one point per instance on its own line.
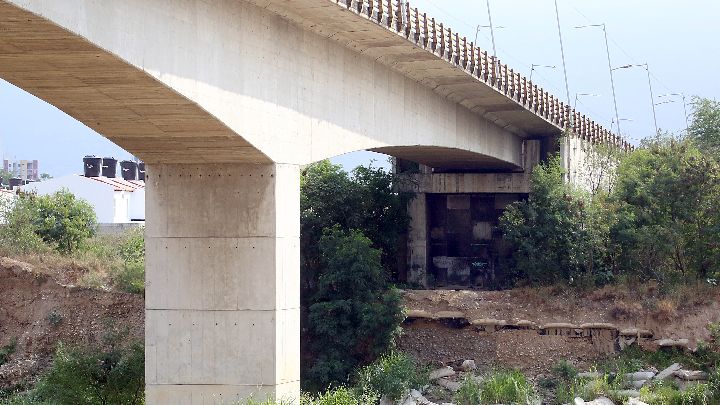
(562, 53)
(492, 30)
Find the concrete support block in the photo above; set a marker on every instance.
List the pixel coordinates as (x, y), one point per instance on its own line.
(222, 283)
(417, 240)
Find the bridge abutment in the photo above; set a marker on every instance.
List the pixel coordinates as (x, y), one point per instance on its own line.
(222, 318)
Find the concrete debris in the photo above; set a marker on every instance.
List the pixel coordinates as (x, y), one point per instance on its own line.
(635, 332)
(600, 401)
(598, 325)
(578, 401)
(668, 372)
(677, 343)
(637, 384)
(449, 385)
(640, 375)
(442, 372)
(468, 365)
(418, 314)
(688, 375)
(449, 315)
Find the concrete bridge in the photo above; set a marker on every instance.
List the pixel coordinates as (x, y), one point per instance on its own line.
(225, 100)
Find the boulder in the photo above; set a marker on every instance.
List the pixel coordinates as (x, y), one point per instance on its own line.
(600, 401)
(637, 384)
(449, 385)
(442, 372)
(640, 375)
(488, 324)
(668, 372)
(468, 365)
(688, 375)
(525, 324)
(578, 401)
(677, 343)
(598, 325)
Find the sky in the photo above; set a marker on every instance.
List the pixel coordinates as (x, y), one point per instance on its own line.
(678, 40)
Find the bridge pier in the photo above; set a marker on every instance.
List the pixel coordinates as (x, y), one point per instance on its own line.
(222, 320)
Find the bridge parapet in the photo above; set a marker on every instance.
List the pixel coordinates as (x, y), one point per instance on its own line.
(427, 33)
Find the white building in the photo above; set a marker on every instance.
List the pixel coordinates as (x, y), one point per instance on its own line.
(116, 201)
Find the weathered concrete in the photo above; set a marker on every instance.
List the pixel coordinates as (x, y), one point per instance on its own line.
(222, 283)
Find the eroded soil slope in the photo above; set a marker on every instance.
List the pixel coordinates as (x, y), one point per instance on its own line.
(37, 313)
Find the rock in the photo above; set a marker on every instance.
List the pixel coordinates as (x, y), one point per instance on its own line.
(677, 343)
(442, 372)
(468, 365)
(688, 375)
(635, 401)
(579, 401)
(600, 401)
(668, 372)
(452, 386)
(640, 375)
(637, 384)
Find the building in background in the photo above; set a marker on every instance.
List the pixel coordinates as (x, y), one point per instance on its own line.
(23, 169)
(118, 202)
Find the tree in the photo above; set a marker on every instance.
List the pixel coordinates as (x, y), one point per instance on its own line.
(559, 234)
(45, 176)
(599, 167)
(354, 315)
(668, 222)
(705, 127)
(5, 176)
(62, 220)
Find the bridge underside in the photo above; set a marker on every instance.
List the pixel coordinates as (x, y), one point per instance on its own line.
(225, 101)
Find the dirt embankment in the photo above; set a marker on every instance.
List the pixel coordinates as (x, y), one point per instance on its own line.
(38, 313)
(682, 316)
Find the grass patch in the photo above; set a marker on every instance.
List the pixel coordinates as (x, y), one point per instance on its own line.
(499, 387)
(393, 375)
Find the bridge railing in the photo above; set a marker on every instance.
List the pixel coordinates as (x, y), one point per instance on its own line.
(433, 36)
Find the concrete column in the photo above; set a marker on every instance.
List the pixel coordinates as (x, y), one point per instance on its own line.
(222, 320)
(417, 240)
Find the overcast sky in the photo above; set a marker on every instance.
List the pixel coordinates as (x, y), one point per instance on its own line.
(679, 41)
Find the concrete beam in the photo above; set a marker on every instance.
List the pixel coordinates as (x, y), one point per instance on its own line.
(222, 318)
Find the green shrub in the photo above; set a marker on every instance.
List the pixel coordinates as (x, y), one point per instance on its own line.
(62, 220)
(470, 392)
(393, 375)
(565, 371)
(355, 315)
(667, 394)
(17, 234)
(111, 374)
(507, 387)
(559, 234)
(130, 276)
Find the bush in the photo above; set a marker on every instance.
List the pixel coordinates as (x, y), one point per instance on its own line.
(507, 387)
(17, 234)
(112, 374)
(354, 316)
(130, 276)
(63, 221)
(470, 392)
(7, 350)
(559, 234)
(393, 375)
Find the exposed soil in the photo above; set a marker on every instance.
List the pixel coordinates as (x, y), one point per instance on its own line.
(39, 313)
(435, 342)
